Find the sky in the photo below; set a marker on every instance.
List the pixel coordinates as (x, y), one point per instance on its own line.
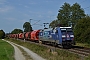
(14, 13)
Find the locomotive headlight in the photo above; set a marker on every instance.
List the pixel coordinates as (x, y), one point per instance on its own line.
(71, 35)
(63, 36)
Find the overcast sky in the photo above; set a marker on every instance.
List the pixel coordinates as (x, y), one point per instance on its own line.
(14, 13)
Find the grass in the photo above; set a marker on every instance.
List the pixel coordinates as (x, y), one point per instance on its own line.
(6, 51)
(83, 45)
(88, 58)
(45, 52)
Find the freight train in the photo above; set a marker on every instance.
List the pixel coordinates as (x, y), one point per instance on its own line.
(60, 36)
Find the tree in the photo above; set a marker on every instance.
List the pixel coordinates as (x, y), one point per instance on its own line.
(2, 34)
(77, 13)
(16, 31)
(82, 30)
(70, 14)
(64, 14)
(27, 27)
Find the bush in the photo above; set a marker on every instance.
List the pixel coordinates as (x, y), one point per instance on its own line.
(82, 30)
(2, 34)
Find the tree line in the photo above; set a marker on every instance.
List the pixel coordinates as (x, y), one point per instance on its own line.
(82, 30)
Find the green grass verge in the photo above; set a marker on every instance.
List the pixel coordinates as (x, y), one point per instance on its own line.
(45, 52)
(6, 51)
(83, 45)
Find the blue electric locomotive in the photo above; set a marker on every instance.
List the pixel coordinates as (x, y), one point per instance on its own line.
(62, 36)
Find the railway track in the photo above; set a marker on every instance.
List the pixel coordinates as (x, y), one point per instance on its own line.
(83, 52)
(80, 51)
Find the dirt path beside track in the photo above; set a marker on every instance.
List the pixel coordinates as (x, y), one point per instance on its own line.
(18, 54)
(29, 52)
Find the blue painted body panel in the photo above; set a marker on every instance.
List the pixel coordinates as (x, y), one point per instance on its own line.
(50, 35)
(60, 35)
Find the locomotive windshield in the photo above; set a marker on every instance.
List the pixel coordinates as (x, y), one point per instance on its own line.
(69, 31)
(63, 31)
(66, 30)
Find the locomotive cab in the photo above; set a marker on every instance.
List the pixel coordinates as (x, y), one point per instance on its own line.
(63, 36)
(67, 36)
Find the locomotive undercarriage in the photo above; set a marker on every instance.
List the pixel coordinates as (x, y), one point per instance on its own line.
(68, 44)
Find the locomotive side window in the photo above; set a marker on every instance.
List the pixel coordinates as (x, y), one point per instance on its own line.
(63, 31)
(69, 29)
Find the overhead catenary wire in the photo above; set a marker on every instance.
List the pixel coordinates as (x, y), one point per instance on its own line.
(35, 23)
